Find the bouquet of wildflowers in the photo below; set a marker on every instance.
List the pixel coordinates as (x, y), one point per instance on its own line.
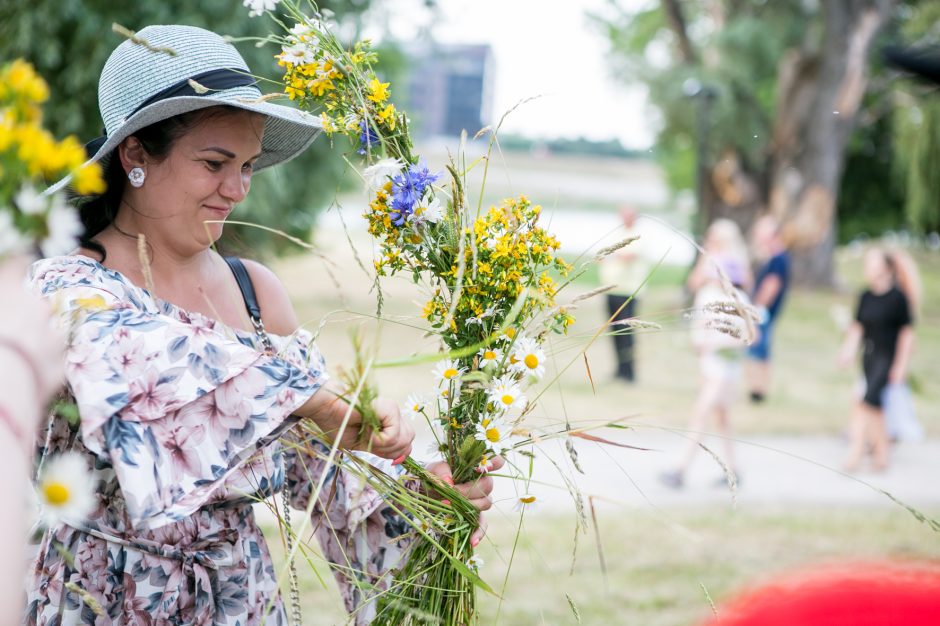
(30, 159)
(489, 274)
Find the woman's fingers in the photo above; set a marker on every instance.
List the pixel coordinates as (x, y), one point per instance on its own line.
(395, 438)
(479, 533)
(494, 464)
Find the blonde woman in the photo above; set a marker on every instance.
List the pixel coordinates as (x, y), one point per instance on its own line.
(721, 278)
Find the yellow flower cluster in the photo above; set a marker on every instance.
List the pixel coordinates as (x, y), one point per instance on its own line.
(27, 150)
(309, 80)
(343, 83)
(396, 245)
(510, 254)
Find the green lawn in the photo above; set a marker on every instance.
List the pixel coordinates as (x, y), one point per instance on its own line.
(657, 563)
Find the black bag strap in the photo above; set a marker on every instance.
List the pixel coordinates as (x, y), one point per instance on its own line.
(247, 288)
(251, 300)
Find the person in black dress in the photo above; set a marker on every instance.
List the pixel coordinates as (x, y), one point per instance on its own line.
(883, 328)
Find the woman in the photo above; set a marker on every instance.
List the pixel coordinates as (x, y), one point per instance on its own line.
(719, 281)
(185, 397)
(884, 327)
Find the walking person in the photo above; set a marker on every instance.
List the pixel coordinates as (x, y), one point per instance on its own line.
(720, 281)
(770, 290)
(884, 330)
(628, 269)
(190, 371)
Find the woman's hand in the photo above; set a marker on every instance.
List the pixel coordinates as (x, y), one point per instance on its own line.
(478, 491)
(328, 410)
(394, 440)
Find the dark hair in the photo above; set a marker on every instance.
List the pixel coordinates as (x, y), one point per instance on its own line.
(157, 140)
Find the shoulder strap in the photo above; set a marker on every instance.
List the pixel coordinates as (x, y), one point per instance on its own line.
(247, 288)
(251, 300)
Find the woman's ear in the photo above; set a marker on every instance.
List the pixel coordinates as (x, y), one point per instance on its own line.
(132, 154)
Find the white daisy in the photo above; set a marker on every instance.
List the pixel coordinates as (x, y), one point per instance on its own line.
(528, 357)
(64, 229)
(29, 201)
(378, 174)
(490, 356)
(475, 562)
(447, 370)
(11, 240)
(299, 53)
(506, 394)
(526, 502)
(65, 490)
(430, 210)
(449, 391)
(304, 31)
(258, 7)
(415, 405)
(495, 433)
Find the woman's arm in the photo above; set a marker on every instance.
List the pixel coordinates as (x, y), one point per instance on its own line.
(853, 338)
(31, 359)
(326, 408)
(902, 355)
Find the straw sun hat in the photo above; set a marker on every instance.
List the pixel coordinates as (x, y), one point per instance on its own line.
(165, 71)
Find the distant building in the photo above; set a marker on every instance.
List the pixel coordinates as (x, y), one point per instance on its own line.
(450, 89)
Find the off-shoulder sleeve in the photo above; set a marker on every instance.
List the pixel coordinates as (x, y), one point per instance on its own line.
(174, 407)
(361, 535)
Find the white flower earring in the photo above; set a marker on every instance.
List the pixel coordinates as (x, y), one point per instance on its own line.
(137, 177)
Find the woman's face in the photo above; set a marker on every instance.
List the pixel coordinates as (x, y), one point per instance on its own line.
(875, 268)
(206, 173)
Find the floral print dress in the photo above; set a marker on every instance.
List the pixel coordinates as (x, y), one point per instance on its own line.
(185, 423)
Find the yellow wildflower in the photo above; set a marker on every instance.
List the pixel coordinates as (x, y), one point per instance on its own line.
(387, 116)
(378, 91)
(88, 180)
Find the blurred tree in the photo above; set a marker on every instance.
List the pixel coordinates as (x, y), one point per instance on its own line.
(69, 41)
(917, 129)
(780, 84)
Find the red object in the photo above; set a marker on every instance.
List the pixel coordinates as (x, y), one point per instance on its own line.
(844, 594)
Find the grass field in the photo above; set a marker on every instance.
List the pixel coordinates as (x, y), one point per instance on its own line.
(661, 566)
(810, 393)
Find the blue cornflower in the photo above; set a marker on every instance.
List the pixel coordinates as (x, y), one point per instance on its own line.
(367, 137)
(408, 187)
(400, 209)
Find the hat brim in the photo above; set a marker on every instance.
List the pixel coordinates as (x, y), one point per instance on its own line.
(923, 62)
(287, 131)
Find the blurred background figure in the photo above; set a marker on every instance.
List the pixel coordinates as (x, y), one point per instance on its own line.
(770, 288)
(718, 338)
(31, 359)
(883, 327)
(628, 269)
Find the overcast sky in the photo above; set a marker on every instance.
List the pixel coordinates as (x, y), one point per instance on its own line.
(544, 48)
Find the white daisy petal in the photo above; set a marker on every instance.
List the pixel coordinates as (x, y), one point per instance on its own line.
(65, 490)
(447, 370)
(506, 394)
(495, 433)
(415, 406)
(526, 502)
(528, 357)
(490, 356)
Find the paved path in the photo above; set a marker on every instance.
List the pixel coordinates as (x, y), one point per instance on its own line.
(776, 471)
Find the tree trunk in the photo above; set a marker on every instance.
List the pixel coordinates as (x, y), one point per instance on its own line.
(819, 91)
